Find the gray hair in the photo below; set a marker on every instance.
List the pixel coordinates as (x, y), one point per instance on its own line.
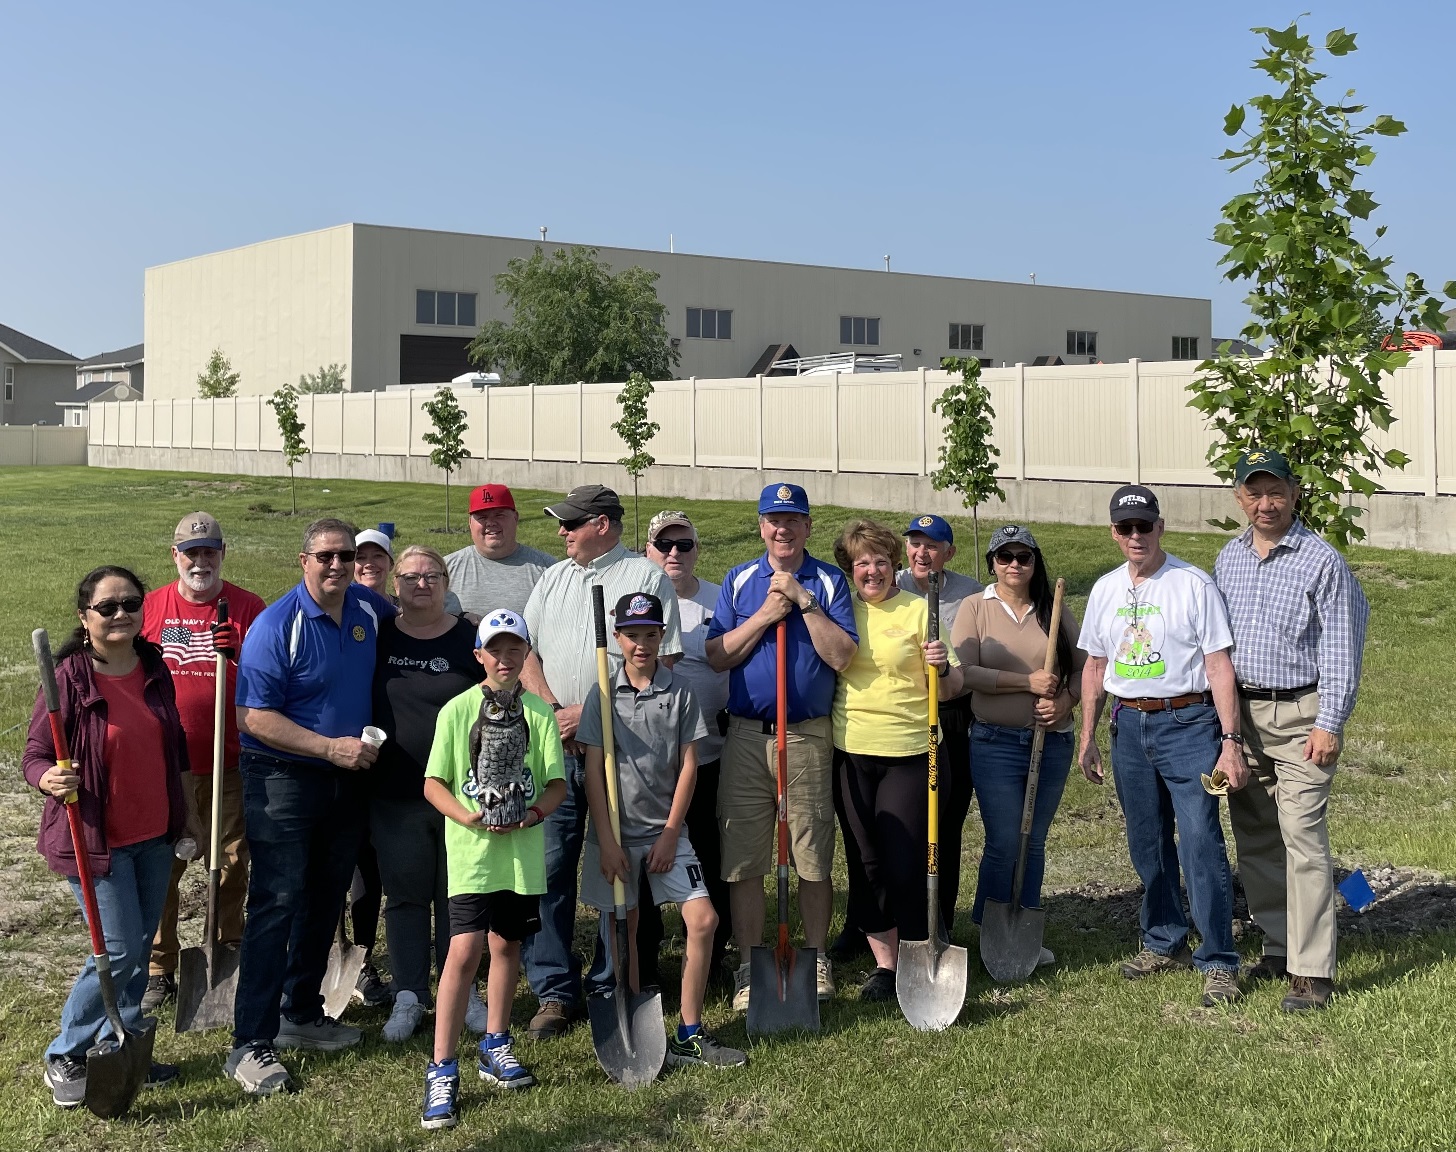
(327, 526)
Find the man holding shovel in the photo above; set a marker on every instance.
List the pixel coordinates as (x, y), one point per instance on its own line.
(182, 619)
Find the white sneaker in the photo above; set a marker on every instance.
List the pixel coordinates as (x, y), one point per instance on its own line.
(1046, 959)
(475, 1017)
(825, 974)
(741, 980)
(404, 1018)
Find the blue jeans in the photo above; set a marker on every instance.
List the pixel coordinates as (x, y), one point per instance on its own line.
(304, 824)
(1157, 759)
(1002, 757)
(129, 899)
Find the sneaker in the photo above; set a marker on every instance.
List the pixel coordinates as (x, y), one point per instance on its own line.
(741, 979)
(161, 989)
(256, 1067)
(322, 1035)
(1268, 968)
(1307, 992)
(404, 1018)
(825, 972)
(370, 990)
(1046, 959)
(1150, 963)
(554, 1019)
(66, 1078)
(702, 1047)
(1220, 986)
(442, 1094)
(849, 944)
(500, 1069)
(475, 1017)
(879, 987)
(159, 1074)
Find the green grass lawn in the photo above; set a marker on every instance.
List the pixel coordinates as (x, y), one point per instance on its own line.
(1077, 1058)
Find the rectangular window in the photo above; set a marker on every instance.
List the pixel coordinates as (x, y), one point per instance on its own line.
(710, 323)
(445, 308)
(9, 382)
(465, 309)
(425, 306)
(1081, 343)
(456, 309)
(967, 337)
(859, 330)
(1185, 347)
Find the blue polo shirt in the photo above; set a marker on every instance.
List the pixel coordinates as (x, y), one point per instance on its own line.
(319, 674)
(753, 684)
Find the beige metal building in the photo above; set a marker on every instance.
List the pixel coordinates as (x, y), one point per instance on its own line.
(398, 306)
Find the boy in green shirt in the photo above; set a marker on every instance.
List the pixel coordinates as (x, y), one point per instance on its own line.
(496, 773)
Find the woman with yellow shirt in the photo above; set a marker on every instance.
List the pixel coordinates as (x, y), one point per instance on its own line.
(881, 716)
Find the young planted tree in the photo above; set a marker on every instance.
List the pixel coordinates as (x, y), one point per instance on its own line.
(448, 437)
(218, 380)
(1317, 290)
(636, 432)
(967, 457)
(327, 379)
(284, 403)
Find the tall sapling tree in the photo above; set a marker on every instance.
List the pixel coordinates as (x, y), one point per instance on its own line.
(967, 456)
(636, 432)
(448, 437)
(218, 381)
(284, 403)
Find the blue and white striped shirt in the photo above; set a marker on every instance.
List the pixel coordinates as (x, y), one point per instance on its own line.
(1298, 617)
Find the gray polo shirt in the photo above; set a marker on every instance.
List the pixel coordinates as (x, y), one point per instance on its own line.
(954, 587)
(649, 729)
(484, 585)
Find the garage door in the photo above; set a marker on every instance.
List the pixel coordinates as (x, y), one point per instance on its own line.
(432, 359)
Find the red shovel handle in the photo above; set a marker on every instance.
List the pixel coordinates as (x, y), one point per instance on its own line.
(781, 737)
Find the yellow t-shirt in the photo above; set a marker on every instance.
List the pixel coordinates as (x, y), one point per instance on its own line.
(881, 702)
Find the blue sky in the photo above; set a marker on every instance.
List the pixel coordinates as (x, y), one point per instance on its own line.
(1072, 140)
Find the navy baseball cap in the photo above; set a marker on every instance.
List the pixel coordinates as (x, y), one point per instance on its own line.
(1134, 502)
(638, 608)
(936, 527)
(783, 498)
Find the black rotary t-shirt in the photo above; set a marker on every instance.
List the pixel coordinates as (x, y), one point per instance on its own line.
(412, 680)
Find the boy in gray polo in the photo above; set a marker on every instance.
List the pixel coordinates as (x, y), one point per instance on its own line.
(655, 721)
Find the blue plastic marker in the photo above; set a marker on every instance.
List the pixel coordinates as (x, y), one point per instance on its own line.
(1356, 891)
(387, 528)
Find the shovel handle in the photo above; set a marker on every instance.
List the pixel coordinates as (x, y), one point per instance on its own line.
(1033, 774)
(932, 855)
(609, 747)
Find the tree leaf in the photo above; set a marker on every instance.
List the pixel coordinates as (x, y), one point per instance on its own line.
(1234, 120)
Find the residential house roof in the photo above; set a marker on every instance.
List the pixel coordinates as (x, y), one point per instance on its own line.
(121, 358)
(29, 350)
(97, 390)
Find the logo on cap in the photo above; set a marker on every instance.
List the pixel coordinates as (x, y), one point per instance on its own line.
(785, 492)
(639, 605)
(1132, 498)
(199, 525)
(1256, 457)
(1010, 529)
(502, 620)
(925, 521)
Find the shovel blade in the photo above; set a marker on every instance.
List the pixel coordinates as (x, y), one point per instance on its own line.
(629, 1036)
(207, 982)
(930, 983)
(1011, 940)
(341, 977)
(116, 1072)
(782, 996)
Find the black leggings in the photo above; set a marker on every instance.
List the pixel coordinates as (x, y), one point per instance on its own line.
(881, 805)
(364, 912)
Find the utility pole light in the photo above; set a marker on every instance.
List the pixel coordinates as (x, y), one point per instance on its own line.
(887, 262)
(543, 235)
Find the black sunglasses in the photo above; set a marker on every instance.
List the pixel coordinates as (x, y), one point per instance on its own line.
(1128, 527)
(1006, 556)
(345, 556)
(685, 544)
(579, 522)
(131, 605)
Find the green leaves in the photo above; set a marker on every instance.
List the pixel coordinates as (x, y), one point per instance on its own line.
(447, 437)
(634, 428)
(1340, 43)
(218, 380)
(1234, 120)
(967, 457)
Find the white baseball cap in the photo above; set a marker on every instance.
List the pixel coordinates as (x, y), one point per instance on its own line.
(502, 620)
(374, 536)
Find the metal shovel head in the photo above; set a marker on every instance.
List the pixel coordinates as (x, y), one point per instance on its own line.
(629, 1036)
(1011, 940)
(341, 977)
(782, 996)
(115, 1072)
(930, 983)
(206, 986)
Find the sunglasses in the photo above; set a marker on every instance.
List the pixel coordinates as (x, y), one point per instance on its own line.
(683, 545)
(579, 522)
(1005, 556)
(344, 556)
(1129, 527)
(131, 605)
(413, 578)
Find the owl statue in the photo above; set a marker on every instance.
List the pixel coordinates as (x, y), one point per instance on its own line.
(499, 779)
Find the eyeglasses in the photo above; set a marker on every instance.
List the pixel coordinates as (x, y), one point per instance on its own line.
(685, 544)
(1129, 527)
(131, 605)
(344, 556)
(1007, 557)
(413, 578)
(579, 522)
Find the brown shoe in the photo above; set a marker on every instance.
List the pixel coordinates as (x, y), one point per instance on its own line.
(1220, 986)
(554, 1019)
(1268, 968)
(1150, 963)
(1307, 992)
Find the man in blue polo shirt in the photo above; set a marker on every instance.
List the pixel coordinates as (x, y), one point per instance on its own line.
(303, 700)
(784, 583)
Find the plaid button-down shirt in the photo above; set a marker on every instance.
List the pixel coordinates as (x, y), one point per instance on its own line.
(1298, 618)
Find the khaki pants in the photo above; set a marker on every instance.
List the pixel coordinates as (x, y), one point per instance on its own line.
(232, 887)
(1281, 828)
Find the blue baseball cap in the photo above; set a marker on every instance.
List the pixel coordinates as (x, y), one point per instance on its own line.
(936, 527)
(783, 498)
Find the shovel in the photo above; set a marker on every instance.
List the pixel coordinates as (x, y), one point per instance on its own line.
(116, 1068)
(1010, 934)
(783, 981)
(628, 1032)
(930, 974)
(341, 977)
(207, 977)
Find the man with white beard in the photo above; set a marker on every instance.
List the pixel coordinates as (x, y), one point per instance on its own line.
(181, 618)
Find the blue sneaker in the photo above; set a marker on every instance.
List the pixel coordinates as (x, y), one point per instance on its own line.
(442, 1095)
(500, 1069)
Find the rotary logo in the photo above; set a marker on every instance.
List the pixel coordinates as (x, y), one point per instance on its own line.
(926, 521)
(439, 664)
(359, 633)
(785, 492)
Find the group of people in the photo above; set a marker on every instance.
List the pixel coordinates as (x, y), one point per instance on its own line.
(480, 667)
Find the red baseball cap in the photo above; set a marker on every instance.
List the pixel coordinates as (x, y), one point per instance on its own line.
(490, 496)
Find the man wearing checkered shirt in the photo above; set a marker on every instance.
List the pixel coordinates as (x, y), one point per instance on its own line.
(1298, 617)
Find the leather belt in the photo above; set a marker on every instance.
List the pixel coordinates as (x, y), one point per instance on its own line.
(1277, 695)
(1154, 704)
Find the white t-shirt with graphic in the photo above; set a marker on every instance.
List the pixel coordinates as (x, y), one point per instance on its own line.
(1154, 636)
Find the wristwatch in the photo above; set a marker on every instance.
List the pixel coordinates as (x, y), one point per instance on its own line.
(812, 605)
(556, 705)
(1233, 736)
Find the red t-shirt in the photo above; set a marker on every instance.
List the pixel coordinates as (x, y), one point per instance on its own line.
(181, 628)
(136, 763)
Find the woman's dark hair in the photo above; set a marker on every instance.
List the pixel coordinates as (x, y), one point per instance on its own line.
(1040, 589)
(80, 638)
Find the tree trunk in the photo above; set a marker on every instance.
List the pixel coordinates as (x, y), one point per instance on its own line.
(292, 492)
(976, 536)
(447, 501)
(636, 518)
